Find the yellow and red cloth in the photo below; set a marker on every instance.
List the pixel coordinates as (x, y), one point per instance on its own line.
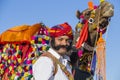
(61, 30)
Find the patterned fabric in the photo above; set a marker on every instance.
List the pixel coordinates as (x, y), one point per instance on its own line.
(60, 30)
(17, 58)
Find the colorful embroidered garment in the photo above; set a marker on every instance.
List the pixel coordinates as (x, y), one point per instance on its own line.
(17, 58)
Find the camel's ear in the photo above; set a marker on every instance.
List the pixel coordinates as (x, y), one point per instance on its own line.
(78, 14)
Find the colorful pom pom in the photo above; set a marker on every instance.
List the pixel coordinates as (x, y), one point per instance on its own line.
(102, 1)
(90, 5)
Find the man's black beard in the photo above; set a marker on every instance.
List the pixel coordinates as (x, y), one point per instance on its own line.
(59, 46)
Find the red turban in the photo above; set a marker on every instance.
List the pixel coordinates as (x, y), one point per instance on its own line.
(61, 30)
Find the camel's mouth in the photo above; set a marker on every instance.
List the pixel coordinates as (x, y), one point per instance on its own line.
(104, 22)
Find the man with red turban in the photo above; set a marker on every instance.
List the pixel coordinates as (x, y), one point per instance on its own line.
(53, 64)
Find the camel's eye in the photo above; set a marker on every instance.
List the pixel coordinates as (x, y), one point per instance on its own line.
(91, 20)
(87, 14)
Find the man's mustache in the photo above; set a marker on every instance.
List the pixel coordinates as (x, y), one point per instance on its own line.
(61, 46)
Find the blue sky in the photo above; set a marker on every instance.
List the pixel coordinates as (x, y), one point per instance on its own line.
(52, 12)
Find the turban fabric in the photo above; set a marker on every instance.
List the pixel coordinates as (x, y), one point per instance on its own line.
(61, 30)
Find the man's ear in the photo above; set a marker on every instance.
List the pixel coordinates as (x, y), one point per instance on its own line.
(50, 40)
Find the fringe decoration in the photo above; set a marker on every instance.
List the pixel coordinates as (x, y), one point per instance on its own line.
(101, 59)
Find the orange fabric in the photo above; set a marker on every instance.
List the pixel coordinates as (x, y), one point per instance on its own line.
(20, 33)
(83, 35)
(60, 30)
(101, 58)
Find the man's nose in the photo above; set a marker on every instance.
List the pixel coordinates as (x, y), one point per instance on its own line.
(65, 42)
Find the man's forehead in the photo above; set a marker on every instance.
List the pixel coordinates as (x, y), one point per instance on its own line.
(64, 37)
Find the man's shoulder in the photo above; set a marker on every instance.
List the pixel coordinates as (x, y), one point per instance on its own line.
(46, 57)
(44, 60)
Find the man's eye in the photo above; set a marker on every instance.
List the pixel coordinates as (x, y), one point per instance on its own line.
(60, 39)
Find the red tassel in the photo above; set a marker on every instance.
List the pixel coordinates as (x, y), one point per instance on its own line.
(83, 35)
